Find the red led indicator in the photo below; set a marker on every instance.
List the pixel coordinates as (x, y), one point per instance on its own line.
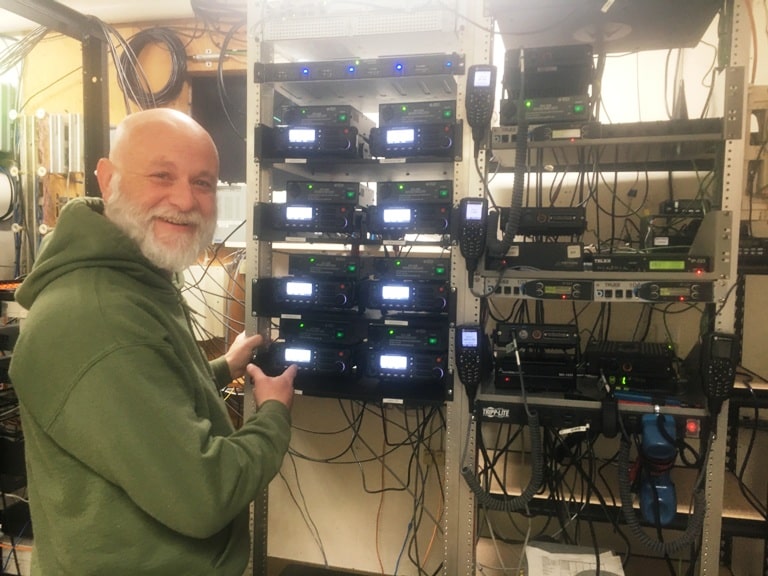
(692, 427)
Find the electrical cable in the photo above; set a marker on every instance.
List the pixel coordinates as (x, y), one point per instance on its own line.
(16, 53)
(140, 92)
(226, 102)
(303, 509)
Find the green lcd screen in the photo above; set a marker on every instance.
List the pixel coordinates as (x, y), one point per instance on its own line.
(667, 265)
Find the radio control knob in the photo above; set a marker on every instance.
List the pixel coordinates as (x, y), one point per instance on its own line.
(443, 303)
(340, 366)
(341, 299)
(438, 372)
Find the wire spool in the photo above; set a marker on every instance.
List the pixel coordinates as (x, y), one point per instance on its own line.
(138, 89)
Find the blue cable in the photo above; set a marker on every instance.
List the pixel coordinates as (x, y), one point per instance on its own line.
(405, 542)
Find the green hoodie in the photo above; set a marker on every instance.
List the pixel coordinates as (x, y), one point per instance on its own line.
(133, 466)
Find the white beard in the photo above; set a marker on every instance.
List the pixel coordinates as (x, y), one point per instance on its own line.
(137, 225)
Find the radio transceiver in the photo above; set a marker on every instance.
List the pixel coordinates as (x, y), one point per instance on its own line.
(406, 336)
(413, 296)
(407, 193)
(554, 335)
(392, 114)
(311, 358)
(327, 265)
(324, 330)
(406, 365)
(440, 140)
(303, 217)
(276, 296)
(410, 268)
(418, 218)
(331, 192)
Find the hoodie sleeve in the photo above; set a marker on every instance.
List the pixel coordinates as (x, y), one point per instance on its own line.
(146, 430)
(221, 373)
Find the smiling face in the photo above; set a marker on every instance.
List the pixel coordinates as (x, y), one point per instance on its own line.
(159, 186)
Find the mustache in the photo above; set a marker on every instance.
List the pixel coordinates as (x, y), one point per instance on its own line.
(193, 217)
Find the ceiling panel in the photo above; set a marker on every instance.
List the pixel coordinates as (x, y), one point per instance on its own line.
(110, 11)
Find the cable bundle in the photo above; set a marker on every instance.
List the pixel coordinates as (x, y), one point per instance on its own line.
(16, 52)
(133, 78)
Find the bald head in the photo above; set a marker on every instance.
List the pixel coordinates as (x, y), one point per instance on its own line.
(149, 128)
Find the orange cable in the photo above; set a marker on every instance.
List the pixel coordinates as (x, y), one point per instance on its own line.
(381, 507)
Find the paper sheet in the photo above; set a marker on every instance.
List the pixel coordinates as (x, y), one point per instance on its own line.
(564, 563)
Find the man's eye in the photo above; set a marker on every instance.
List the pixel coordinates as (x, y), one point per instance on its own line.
(205, 185)
(161, 176)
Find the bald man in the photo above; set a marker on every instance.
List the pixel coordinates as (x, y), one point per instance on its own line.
(133, 465)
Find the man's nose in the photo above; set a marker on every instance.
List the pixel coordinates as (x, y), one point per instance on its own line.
(183, 196)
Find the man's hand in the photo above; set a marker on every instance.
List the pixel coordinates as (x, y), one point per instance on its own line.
(240, 353)
(278, 388)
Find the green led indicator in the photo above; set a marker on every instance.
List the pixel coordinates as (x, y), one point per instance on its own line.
(440, 270)
(578, 108)
(398, 263)
(342, 117)
(339, 334)
(301, 325)
(391, 332)
(623, 380)
(432, 340)
(443, 193)
(312, 259)
(447, 113)
(529, 103)
(404, 108)
(310, 186)
(351, 194)
(401, 187)
(352, 268)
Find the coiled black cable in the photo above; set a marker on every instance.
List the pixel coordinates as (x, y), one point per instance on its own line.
(512, 503)
(137, 88)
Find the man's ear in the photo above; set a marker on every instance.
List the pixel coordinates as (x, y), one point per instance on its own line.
(104, 171)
